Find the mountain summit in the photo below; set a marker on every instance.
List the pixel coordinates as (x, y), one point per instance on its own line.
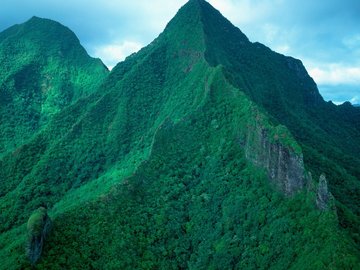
(201, 151)
(43, 69)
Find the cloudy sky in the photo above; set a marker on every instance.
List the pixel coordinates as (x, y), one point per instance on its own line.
(324, 34)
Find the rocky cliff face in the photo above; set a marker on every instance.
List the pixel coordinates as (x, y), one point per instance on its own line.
(323, 195)
(284, 166)
(38, 227)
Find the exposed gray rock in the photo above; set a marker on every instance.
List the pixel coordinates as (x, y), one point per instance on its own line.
(310, 183)
(285, 168)
(38, 226)
(323, 195)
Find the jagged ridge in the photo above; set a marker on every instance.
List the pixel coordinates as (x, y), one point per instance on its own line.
(157, 157)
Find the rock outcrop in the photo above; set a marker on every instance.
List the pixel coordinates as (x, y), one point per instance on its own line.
(323, 195)
(38, 226)
(285, 167)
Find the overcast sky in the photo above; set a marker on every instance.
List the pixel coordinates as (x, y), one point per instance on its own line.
(324, 34)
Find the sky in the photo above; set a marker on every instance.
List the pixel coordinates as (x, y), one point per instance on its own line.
(324, 34)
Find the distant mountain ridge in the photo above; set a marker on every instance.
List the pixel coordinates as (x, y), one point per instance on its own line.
(41, 75)
(201, 151)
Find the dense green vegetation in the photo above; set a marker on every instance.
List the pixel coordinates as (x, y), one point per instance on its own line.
(328, 134)
(153, 166)
(40, 75)
(38, 227)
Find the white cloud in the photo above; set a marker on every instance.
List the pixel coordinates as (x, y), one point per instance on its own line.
(355, 100)
(335, 74)
(111, 54)
(284, 49)
(338, 102)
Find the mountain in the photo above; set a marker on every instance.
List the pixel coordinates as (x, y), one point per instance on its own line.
(201, 151)
(40, 75)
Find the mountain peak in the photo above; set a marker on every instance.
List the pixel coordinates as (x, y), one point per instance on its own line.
(43, 37)
(199, 9)
(44, 24)
(44, 68)
(36, 18)
(200, 22)
(196, 134)
(195, 2)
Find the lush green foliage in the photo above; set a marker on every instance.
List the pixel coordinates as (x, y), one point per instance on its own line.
(149, 169)
(328, 134)
(35, 223)
(43, 69)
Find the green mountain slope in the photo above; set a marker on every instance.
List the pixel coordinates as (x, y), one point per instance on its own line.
(328, 134)
(172, 163)
(43, 69)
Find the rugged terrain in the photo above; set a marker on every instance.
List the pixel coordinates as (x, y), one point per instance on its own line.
(201, 151)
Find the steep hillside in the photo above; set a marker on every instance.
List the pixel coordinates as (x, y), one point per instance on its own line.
(43, 69)
(179, 161)
(329, 135)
